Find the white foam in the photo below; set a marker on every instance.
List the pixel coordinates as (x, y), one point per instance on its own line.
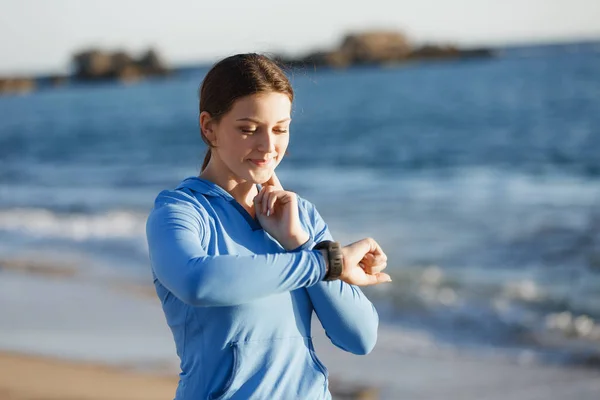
(79, 227)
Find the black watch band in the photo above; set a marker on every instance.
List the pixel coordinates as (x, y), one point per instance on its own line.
(335, 259)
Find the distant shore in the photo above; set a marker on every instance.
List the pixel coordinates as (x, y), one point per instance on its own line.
(362, 49)
(94, 65)
(382, 47)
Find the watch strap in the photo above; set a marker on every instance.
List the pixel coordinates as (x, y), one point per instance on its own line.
(335, 259)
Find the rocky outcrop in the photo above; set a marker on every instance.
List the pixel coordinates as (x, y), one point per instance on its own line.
(93, 65)
(374, 47)
(434, 51)
(380, 47)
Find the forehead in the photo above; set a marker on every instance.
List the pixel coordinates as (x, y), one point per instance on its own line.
(267, 107)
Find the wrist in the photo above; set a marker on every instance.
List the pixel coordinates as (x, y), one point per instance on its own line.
(295, 241)
(334, 259)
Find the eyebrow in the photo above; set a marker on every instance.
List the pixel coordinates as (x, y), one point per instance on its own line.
(258, 122)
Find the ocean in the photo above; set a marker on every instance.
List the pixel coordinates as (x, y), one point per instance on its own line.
(479, 178)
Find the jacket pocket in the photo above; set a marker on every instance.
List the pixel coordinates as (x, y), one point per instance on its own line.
(282, 368)
(318, 364)
(220, 394)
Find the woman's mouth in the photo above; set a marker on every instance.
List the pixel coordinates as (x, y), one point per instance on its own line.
(261, 162)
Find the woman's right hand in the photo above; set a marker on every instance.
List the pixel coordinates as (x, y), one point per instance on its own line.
(363, 262)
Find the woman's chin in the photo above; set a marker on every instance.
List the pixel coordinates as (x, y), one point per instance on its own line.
(259, 177)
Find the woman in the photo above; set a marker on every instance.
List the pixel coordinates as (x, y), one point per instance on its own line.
(233, 254)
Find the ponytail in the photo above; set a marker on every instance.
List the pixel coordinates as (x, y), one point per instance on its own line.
(206, 159)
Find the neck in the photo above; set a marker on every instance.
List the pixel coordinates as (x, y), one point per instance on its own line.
(241, 190)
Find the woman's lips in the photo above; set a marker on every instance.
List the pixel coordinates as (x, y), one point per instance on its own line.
(262, 163)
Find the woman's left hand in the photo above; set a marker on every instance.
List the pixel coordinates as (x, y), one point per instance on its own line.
(277, 211)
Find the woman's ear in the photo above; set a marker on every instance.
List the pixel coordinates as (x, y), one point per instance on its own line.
(207, 127)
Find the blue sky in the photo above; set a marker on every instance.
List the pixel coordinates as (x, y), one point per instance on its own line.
(41, 35)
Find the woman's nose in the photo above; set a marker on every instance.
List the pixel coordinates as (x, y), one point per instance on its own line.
(266, 142)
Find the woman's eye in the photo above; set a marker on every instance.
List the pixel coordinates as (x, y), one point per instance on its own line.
(280, 130)
(248, 131)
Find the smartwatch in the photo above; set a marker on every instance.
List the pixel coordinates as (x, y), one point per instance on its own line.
(335, 259)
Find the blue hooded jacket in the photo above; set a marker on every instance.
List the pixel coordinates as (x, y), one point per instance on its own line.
(240, 306)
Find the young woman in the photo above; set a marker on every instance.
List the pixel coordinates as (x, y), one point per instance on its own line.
(234, 260)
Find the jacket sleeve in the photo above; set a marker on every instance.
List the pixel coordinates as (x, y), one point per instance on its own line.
(348, 317)
(174, 233)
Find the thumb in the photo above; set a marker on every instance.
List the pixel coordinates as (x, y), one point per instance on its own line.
(369, 280)
(382, 277)
(376, 279)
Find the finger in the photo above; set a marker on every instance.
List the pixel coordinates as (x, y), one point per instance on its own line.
(259, 196)
(370, 260)
(382, 277)
(375, 250)
(373, 270)
(376, 279)
(374, 263)
(380, 259)
(269, 200)
(280, 197)
(256, 209)
(367, 262)
(366, 245)
(257, 204)
(378, 253)
(270, 203)
(262, 198)
(274, 181)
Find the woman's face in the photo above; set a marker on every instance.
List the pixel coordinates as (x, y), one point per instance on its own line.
(253, 136)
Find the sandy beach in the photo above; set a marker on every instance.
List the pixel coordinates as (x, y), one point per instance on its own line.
(64, 336)
(24, 377)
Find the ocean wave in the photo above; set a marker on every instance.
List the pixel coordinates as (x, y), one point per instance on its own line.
(74, 226)
(473, 308)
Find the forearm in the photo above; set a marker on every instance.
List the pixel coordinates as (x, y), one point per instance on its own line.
(182, 265)
(348, 317)
(231, 280)
(298, 242)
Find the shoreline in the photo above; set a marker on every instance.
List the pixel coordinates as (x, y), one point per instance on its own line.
(69, 337)
(392, 376)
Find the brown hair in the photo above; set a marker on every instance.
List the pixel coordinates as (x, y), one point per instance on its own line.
(235, 77)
